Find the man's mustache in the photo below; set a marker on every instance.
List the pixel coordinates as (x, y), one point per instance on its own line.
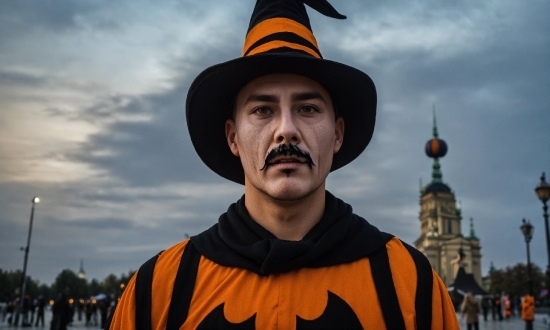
(287, 150)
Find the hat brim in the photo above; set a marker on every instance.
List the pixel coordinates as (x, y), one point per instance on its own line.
(211, 96)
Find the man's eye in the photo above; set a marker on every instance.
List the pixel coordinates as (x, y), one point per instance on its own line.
(262, 110)
(308, 109)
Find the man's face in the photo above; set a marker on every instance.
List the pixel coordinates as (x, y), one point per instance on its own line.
(284, 109)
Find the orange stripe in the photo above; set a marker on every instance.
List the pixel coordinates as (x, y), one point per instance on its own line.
(278, 44)
(404, 278)
(274, 25)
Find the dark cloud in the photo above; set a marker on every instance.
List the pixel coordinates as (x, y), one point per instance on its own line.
(149, 152)
(155, 151)
(19, 79)
(52, 15)
(97, 224)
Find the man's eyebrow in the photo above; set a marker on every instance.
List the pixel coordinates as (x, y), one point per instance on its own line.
(304, 96)
(262, 98)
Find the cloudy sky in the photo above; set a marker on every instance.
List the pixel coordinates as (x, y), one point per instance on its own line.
(92, 120)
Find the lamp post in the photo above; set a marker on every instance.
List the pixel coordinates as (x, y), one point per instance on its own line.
(527, 230)
(543, 193)
(35, 201)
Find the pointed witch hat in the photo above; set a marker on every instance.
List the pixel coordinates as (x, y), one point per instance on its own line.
(279, 40)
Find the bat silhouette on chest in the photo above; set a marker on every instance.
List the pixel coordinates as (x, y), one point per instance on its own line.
(337, 315)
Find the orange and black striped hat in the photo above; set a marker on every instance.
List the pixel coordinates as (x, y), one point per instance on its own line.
(279, 40)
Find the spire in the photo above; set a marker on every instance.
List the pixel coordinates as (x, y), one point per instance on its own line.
(436, 148)
(472, 231)
(435, 123)
(81, 273)
(437, 176)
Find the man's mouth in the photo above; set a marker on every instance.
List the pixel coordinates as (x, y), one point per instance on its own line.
(283, 160)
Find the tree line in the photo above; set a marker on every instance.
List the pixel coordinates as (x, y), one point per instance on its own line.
(66, 282)
(513, 281)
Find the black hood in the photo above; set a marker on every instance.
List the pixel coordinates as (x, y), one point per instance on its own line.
(339, 237)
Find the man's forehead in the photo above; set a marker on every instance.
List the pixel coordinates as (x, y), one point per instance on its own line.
(282, 81)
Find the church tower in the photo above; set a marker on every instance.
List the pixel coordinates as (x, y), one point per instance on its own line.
(81, 273)
(441, 238)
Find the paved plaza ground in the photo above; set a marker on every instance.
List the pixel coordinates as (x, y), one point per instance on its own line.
(513, 323)
(47, 318)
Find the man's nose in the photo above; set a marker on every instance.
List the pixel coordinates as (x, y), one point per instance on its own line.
(287, 131)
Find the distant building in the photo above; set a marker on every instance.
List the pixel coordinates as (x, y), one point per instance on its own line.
(441, 238)
(81, 273)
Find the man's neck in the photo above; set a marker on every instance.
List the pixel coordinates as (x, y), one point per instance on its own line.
(287, 220)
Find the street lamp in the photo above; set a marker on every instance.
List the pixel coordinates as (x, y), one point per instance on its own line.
(543, 193)
(34, 201)
(527, 230)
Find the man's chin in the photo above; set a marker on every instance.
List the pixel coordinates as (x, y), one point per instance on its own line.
(289, 190)
(289, 196)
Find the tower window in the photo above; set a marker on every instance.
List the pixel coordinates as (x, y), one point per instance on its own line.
(449, 226)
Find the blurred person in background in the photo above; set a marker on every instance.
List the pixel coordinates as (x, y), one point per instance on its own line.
(470, 311)
(40, 305)
(61, 313)
(528, 311)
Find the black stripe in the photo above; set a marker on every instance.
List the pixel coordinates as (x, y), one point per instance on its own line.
(284, 36)
(273, 10)
(183, 287)
(286, 50)
(144, 281)
(381, 275)
(424, 288)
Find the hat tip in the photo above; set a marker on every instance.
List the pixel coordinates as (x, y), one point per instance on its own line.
(325, 8)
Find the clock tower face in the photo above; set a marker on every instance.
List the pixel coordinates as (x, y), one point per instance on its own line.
(445, 209)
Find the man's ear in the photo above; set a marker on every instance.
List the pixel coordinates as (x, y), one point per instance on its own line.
(338, 134)
(230, 135)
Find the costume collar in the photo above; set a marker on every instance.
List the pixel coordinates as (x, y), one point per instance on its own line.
(339, 237)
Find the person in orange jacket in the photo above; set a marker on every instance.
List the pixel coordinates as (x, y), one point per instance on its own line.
(528, 311)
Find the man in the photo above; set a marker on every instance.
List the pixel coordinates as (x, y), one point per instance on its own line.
(288, 254)
(41, 305)
(61, 311)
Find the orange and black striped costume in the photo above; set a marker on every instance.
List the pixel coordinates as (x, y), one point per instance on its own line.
(189, 286)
